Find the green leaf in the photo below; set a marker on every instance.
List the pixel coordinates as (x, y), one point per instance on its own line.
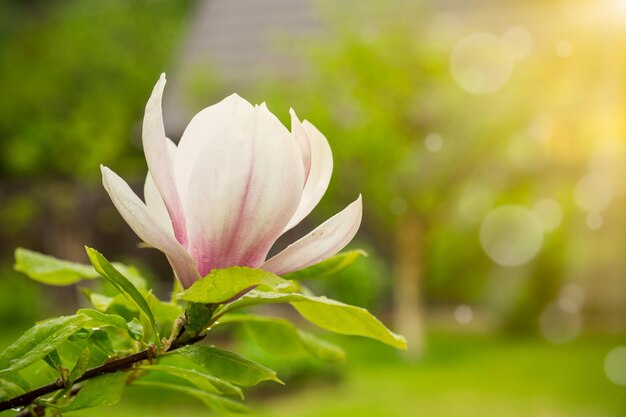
(118, 304)
(9, 389)
(53, 360)
(100, 302)
(50, 270)
(198, 316)
(99, 319)
(280, 336)
(132, 274)
(163, 311)
(105, 390)
(38, 341)
(215, 402)
(346, 319)
(135, 328)
(81, 365)
(223, 285)
(18, 380)
(99, 343)
(228, 365)
(326, 313)
(123, 285)
(328, 267)
(202, 381)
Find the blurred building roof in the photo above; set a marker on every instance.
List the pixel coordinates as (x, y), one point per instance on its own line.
(237, 40)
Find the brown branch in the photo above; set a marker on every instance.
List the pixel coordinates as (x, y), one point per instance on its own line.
(120, 364)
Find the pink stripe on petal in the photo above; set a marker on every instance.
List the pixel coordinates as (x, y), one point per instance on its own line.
(245, 186)
(319, 174)
(322, 243)
(160, 163)
(148, 228)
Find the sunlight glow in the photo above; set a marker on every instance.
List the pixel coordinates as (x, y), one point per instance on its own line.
(619, 6)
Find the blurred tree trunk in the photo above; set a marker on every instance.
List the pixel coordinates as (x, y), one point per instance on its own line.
(408, 271)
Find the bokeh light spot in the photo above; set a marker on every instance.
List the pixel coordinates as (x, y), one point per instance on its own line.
(563, 48)
(474, 201)
(571, 298)
(593, 193)
(446, 26)
(549, 213)
(594, 221)
(615, 365)
(609, 161)
(520, 41)
(463, 314)
(481, 63)
(559, 326)
(433, 142)
(511, 235)
(398, 206)
(541, 127)
(526, 153)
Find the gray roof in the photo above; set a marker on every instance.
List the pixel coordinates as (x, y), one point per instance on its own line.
(237, 40)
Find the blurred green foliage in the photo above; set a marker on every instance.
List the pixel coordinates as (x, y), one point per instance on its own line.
(25, 305)
(76, 75)
(366, 283)
(384, 85)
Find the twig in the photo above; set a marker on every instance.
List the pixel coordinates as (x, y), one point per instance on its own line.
(107, 368)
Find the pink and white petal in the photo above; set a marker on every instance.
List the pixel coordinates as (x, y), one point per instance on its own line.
(297, 130)
(148, 228)
(319, 174)
(205, 125)
(322, 243)
(244, 188)
(160, 163)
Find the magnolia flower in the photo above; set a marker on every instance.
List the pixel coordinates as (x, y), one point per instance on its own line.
(235, 183)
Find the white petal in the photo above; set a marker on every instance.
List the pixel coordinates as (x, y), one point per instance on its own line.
(319, 174)
(148, 228)
(244, 188)
(303, 142)
(205, 125)
(322, 243)
(153, 198)
(155, 204)
(160, 164)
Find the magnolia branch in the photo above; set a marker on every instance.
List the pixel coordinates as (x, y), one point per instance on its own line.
(115, 365)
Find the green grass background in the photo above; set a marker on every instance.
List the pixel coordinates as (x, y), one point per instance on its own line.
(463, 375)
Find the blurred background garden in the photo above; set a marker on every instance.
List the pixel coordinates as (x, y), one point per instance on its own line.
(487, 138)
